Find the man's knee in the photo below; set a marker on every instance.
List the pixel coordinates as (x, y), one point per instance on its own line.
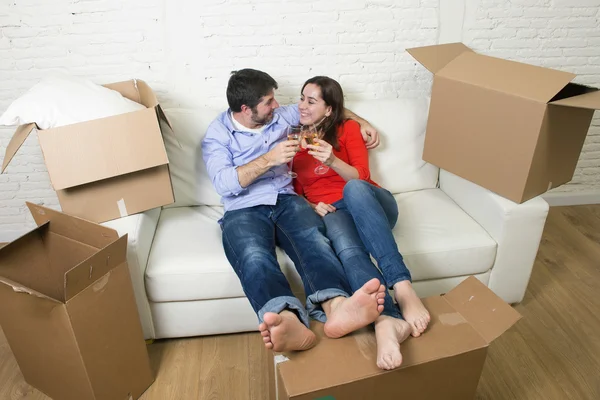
(256, 260)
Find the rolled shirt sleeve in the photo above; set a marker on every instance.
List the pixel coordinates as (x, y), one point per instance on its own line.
(219, 161)
(289, 113)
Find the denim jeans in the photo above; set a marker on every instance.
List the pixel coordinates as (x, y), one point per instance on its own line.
(362, 225)
(249, 239)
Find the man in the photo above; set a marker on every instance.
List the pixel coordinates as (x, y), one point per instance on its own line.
(246, 154)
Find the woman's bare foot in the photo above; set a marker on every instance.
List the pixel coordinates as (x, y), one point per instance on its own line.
(412, 308)
(345, 315)
(285, 332)
(390, 332)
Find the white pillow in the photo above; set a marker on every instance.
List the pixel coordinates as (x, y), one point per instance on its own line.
(65, 100)
(397, 164)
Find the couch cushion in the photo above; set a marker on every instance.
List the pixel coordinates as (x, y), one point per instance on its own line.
(187, 261)
(438, 239)
(397, 162)
(191, 184)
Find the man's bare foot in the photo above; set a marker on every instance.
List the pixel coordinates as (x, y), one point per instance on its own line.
(412, 308)
(390, 332)
(285, 332)
(345, 315)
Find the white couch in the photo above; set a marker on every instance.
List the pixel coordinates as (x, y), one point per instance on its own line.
(448, 229)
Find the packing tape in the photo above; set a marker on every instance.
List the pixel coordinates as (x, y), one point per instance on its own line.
(452, 318)
(122, 208)
(279, 358)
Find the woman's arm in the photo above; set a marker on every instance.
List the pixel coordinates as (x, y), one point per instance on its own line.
(358, 167)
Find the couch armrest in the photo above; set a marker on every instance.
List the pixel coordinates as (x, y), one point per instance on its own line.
(140, 229)
(517, 228)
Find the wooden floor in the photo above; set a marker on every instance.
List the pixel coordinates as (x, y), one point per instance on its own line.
(553, 353)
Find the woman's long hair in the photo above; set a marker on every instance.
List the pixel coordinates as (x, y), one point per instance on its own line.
(333, 95)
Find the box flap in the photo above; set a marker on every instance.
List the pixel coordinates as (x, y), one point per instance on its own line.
(434, 58)
(487, 313)
(15, 143)
(163, 116)
(523, 80)
(94, 268)
(18, 288)
(590, 100)
(94, 150)
(74, 228)
(147, 96)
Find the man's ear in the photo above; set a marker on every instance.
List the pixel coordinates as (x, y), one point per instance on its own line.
(246, 110)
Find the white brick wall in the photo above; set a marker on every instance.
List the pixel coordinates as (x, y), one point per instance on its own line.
(185, 49)
(104, 40)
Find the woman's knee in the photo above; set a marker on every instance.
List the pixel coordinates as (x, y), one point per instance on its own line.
(355, 187)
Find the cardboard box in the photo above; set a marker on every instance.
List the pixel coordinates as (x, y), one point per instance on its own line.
(443, 363)
(110, 167)
(68, 310)
(513, 128)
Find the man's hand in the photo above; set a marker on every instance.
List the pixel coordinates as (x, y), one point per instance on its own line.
(282, 153)
(369, 134)
(322, 209)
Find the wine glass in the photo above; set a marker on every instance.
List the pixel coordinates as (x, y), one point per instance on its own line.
(311, 134)
(293, 133)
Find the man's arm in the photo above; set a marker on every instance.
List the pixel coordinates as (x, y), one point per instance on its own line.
(369, 134)
(230, 180)
(282, 153)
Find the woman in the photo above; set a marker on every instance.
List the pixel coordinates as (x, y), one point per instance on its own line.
(359, 215)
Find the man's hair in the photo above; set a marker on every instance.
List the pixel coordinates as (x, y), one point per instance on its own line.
(247, 86)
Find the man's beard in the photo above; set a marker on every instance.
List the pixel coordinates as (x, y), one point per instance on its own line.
(261, 121)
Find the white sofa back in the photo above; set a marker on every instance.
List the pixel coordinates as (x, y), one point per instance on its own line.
(396, 164)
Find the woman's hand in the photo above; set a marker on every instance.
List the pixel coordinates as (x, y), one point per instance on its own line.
(322, 209)
(322, 152)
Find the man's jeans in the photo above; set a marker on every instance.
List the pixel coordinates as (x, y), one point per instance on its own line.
(362, 225)
(249, 239)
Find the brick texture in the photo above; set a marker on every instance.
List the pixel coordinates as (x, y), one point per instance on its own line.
(186, 49)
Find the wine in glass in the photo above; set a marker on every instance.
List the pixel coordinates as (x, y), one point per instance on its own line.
(311, 134)
(293, 133)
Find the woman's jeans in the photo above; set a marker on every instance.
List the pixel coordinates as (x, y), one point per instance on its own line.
(362, 225)
(249, 239)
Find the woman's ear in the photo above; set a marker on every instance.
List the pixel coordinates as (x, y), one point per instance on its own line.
(328, 112)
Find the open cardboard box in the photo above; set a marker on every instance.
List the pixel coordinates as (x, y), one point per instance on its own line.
(443, 363)
(68, 310)
(109, 167)
(513, 128)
